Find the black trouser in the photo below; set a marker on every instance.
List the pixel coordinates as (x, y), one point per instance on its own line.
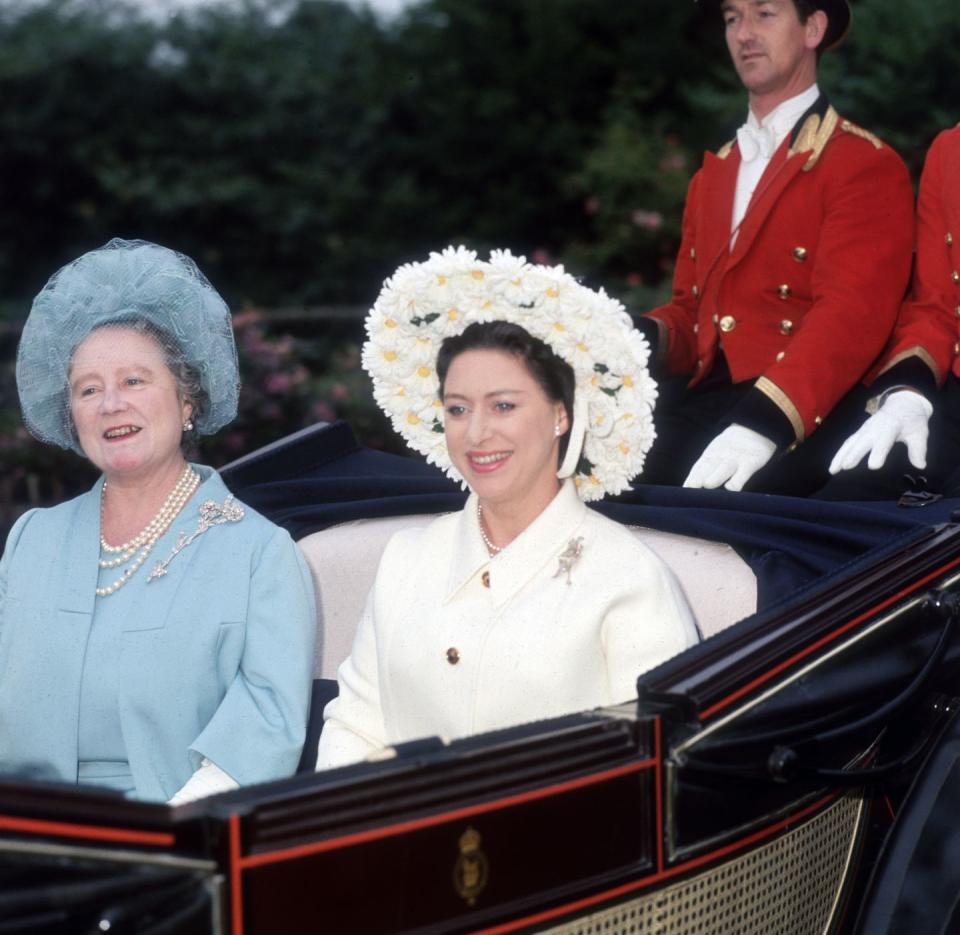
(687, 420)
(898, 476)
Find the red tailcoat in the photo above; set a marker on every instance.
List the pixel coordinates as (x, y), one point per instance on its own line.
(929, 322)
(806, 299)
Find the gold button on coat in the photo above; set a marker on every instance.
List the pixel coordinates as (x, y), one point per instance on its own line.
(818, 420)
(781, 355)
(949, 239)
(956, 348)
(784, 291)
(728, 323)
(957, 311)
(696, 328)
(453, 655)
(695, 290)
(716, 318)
(800, 254)
(786, 326)
(693, 253)
(956, 276)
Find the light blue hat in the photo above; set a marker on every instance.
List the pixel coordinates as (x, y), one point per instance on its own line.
(124, 281)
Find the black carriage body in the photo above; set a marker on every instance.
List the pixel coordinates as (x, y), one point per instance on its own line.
(750, 789)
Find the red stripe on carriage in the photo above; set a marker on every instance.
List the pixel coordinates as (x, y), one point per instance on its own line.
(236, 893)
(65, 829)
(823, 641)
(658, 787)
(416, 824)
(635, 885)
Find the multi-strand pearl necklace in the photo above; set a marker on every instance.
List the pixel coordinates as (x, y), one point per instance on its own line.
(491, 548)
(138, 548)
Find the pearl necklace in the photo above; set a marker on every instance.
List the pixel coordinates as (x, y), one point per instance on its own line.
(491, 548)
(145, 540)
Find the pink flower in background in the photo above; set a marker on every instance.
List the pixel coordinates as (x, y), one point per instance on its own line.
(246, 317)
(278, 383)
(322, 412)
(541, 256)
(673, 162)
(648, 220)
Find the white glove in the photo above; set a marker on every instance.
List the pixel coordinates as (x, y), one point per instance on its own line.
(903, 416)
(209, 779)
(731, 459)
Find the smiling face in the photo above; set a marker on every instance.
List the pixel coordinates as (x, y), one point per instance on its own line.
(773, 52)
(501, 430)
(125, 403)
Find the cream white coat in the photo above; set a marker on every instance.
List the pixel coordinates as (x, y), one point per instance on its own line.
(530, 646)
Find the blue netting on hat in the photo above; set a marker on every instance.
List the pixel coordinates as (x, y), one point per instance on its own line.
(124, 281)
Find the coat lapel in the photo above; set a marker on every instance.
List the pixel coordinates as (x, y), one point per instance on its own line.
(800, 149)
(951, 189)
(78, 584)
(780, 172)
(719, 185)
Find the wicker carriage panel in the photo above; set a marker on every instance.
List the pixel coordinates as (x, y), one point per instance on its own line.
(788, 887)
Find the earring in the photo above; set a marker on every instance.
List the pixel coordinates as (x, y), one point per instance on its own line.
(187, 425)
(556, 430)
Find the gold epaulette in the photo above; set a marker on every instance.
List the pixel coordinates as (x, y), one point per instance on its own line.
(724, 150)
(814, 135)
(849, 127)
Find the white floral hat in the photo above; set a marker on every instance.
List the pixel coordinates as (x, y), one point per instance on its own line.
(423, 303)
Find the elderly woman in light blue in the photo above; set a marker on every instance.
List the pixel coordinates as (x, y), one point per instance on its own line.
(156, 636)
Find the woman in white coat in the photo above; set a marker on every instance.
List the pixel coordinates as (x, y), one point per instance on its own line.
(526, 604)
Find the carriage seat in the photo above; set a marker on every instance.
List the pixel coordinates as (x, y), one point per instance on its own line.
(718, 584)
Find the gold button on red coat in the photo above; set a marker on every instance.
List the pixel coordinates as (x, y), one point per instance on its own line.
(784, 291)
(728, 323)
(949, 239)
(781, 355)
(800, 254)
(695, 290)
(956, 276)
(453, 655)
(786, 326)
(956, 311)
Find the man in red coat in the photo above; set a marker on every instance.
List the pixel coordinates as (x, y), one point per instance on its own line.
(923, 356)
(795, 256)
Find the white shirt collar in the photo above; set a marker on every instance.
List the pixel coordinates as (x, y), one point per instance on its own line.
(784, 116)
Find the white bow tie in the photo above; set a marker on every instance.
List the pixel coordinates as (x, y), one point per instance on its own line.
(755, 141)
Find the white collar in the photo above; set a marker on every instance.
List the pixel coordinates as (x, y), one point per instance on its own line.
(784, 116)
(538, 545)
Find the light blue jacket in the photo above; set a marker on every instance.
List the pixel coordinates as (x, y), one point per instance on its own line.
(216, 664)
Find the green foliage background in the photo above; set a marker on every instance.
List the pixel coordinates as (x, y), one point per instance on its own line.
(300, 150)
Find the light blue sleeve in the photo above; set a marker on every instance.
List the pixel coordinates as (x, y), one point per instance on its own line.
(7, 559)
(257, 732)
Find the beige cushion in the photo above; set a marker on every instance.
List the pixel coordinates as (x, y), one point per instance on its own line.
(719, 585)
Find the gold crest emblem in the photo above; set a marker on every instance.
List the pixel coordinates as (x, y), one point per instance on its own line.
(471, 871)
